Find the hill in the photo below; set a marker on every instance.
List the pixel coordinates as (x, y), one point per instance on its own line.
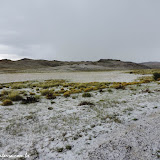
(154, 65)
(102, 64)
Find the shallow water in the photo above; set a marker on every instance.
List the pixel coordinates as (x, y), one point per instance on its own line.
(112, 76)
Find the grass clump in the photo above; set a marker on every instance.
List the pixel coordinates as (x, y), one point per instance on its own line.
(18, 86)
(74, 97)
(60, 149)
(4, 92)
(86, 103)
(110, 91)
(88, 89)
(66, 94)
(50, 96)
(45, 92)
(15, 96)
(145, 71)
(30, 100)
(50, 108)
(135, 119)
(7, 102)
(118, 86)
(86, 95)
(156, 76)
(32, 93)
(68, 147)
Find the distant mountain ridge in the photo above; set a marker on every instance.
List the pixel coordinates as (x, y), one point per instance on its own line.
(102, 64)
(154, 65)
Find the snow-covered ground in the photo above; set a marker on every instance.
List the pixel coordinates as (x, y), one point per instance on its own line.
(121, 125)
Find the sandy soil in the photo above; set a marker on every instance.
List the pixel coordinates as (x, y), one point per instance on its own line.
(114, 76)
(121, 125)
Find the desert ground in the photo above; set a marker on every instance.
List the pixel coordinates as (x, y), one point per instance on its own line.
(110, 115)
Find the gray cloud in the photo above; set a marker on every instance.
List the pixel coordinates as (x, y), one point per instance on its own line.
(80, 30)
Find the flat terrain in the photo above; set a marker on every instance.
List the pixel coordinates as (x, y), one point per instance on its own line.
(111, 76)
(114, 121)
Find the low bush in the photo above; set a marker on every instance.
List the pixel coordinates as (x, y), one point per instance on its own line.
(117, 86)
(156, 76)
(4, 92)
(86, 95)
(32, 93)
(60, 149)
(109, 90)
(18, 86)
(50, 96)
(29, 100)
(7, 102)
(86, 103)
(15, 96)
(45, 92)
(66, 94)
(68, 147)
(88, 89)
(37, 97)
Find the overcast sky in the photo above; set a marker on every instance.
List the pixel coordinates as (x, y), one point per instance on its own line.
(80, 29)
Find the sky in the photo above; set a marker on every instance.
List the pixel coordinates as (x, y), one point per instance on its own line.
(80, 30)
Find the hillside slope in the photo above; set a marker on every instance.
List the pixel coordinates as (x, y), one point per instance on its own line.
(154, 65)
(102, 64)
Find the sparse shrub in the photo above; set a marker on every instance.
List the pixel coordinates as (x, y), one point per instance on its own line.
(65, 85)
(74, 97)
(86, 95)
(135, 119)
(50, 108)
(118, 86)
(45, 92)
(18, 86)
(66, 94)
(52, 102)
(68, 147)
(60, 149)
(15, 96)
(7, 102)
(22, 92)
(4, 92)
(117, 120)
(86, 103)
(112, 118)
(29, 117)
(101, 90)
(50, 96)
(81, 86)
(110, 91)
(31, 93)
(156, 76)
(93, 125)
(147, 90)
(25, 94)
(88, 89)
(37, 97)
(29, 100)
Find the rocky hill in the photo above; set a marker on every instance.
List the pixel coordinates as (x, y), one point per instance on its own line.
(102, 64)
(154, 65)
